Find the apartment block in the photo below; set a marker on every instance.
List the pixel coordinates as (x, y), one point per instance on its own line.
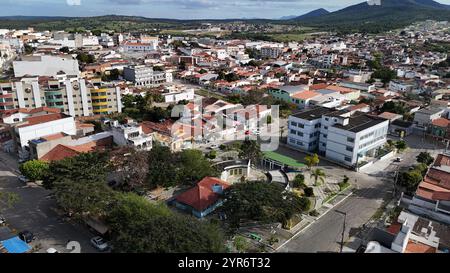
(142, 75)
(46, 65)
(74, 96)
(337, 134)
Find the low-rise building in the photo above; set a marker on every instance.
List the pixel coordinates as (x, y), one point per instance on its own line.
(131, 134)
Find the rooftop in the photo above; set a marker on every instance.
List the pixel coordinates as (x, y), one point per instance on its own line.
(314, 113)
(360, 122)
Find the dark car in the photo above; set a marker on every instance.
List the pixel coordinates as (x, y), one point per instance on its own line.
(27, 236)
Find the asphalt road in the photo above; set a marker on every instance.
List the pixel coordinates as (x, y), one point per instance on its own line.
(325, 234)
(34, 213)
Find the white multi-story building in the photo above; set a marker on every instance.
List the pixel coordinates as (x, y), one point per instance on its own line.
(46, 65)
(271, 52)
(175, 94)
(38, 126)
(143, 75)
(131, 134)
(73, 96)
(336, 134)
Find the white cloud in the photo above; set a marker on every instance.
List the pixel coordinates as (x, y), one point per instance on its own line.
(73, 2)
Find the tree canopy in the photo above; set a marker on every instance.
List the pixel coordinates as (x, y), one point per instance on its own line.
(34, 169)
(261, 201)
(142, 227)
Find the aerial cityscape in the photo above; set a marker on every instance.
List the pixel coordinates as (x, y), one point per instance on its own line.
(206, 126)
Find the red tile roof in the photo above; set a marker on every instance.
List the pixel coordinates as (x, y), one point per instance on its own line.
(42, 119)
(305, 95)
(61, 152)
(416, 247)
(441, 122)
(202, 195)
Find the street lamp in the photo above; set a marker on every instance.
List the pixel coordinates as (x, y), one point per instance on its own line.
(343, 228)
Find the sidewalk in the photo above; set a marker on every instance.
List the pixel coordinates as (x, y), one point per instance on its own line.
(9, 161)
(309, 220)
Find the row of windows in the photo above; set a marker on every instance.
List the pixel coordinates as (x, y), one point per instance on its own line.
(371, 142)
(296, 124)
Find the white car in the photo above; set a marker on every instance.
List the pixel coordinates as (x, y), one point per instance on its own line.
(23, 179)
(52, 250)
(99, 243)
(214, 146)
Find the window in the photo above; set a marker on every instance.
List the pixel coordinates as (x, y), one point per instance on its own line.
(300, 134)
(350, 139)
(350, 149)
(294, 124)
(327, 119)
(292, 141)
(317, 125)
(324, 144)
(301, 126)
(325, 136)
(293, 132)
(348, 159)
(325, 127)
(299, 143)
(311, 135)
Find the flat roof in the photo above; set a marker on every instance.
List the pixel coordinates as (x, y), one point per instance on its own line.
(314, 113)
(283, 159)
(360, 123)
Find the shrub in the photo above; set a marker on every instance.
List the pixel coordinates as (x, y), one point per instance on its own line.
(314, 213)
(34, 169)
(309, 192)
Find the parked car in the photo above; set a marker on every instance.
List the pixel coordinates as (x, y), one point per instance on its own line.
(2, 220)
(214, 146)
(23, 179)
(99, 243)
(27, 236)
(52, 250)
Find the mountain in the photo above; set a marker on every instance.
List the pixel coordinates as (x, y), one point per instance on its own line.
(289, 17)
(312, 14)
(374, 18)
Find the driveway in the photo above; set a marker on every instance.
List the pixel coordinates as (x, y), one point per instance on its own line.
(35, 212)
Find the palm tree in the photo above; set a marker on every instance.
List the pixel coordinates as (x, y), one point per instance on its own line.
(318, 175)
(312, 161)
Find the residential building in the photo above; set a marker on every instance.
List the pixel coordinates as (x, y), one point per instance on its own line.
(74, 96)
(40, 125)
(131, 134)
(271, 52)
(142, 75)
(337, 134)
(432, 198)
(204, 198)
(46, 65)
(286, 93)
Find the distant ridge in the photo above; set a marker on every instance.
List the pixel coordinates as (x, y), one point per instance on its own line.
(312, 14)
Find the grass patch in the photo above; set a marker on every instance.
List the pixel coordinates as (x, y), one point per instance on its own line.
(294, 37)
(329, 198)
(209, 94)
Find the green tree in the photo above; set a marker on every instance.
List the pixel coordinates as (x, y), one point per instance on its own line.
(86, 166)
(28, 49)
(425, 158)
(240, 243)
(299, 181)
(64, 49)
(384, 74)
(194, 167)
(34, 169)
(312, 160)
(142, 227)
(318, 175)
(83, 196)
(162, 167)
(410, 180)
(263, 202)
(401, 145)
(250, 149)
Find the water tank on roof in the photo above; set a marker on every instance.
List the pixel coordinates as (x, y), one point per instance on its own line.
(217, 188)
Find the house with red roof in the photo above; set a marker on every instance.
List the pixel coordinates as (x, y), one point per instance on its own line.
(204, 198)
(432, 197)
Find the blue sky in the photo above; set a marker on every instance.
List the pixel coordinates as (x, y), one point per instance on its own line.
(180, 9)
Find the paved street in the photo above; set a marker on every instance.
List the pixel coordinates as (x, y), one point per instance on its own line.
(34, 213)
(373, 187)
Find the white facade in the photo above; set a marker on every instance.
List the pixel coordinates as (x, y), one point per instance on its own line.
(336, 135)
(25, 134)
(131, 134)
(46, 65)
(176, 96)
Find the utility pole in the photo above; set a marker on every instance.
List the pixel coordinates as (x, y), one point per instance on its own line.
(343, 229)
